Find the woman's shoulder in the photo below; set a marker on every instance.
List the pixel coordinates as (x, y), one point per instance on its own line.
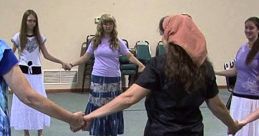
(158, 58)
(244, 46)
(158, 62)
(122, 41)
(17, 34)
(207, 67)
(3, 47)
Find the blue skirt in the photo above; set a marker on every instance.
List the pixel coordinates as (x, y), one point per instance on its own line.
(102, 91)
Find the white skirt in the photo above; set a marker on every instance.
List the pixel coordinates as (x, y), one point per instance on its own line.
(239, 109)
(24, 117)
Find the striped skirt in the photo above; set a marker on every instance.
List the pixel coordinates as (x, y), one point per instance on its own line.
(103, 90)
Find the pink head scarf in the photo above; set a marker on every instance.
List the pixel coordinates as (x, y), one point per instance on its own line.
(181, 30)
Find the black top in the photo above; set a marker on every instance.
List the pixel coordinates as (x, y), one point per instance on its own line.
(170, 110)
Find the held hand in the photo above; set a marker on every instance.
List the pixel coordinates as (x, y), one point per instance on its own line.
(88, 121)
(216, 73)
(66, 66)
(241, 124)
(77, 122)
(235, 128)
(141, 68)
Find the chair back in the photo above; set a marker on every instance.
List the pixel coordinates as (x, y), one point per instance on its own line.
(160, 49)
(88, 66)
(230, 80)
(124, 59)
(143, 52)
(126, 42)
(85, 44)
(127, 68)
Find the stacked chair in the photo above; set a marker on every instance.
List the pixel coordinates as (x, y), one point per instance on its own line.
(88, 66)
(127, 68)
(143, 52)
(230, 81)
(160, 49)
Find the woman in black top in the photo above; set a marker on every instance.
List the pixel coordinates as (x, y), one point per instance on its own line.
(175, 85)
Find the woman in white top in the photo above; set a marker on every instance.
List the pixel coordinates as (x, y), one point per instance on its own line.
(29, 43)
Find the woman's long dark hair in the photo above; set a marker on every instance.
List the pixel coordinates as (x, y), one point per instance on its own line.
(180, 67)
(23, 31)
(255, 47)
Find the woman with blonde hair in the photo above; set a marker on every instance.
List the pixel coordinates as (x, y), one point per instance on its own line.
(106, 48)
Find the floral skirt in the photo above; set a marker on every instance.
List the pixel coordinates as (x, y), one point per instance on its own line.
(103, 90)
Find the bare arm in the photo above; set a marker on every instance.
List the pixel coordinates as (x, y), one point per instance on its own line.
(20, 86)
(81, 60)
(134, 94)
(251, 117)
(220, 111)
(48, 56)
(52, 58)
(228, 73)
(134, 60)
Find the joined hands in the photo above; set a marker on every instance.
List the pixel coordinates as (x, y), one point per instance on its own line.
(66, 66)
(80, 121)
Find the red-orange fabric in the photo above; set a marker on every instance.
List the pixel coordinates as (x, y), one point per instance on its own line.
(181, 30)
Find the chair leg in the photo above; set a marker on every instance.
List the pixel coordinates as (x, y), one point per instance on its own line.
(123, 82)
(83, 83)
(229, 101)
(130, 80)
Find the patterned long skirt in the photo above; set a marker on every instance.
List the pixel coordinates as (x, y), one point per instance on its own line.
(103, 90)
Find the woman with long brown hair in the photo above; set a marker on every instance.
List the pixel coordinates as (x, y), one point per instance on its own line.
(175, 85)
(30, 44)
(245, 98)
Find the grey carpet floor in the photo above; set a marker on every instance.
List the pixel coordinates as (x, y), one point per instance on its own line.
(134, 117)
